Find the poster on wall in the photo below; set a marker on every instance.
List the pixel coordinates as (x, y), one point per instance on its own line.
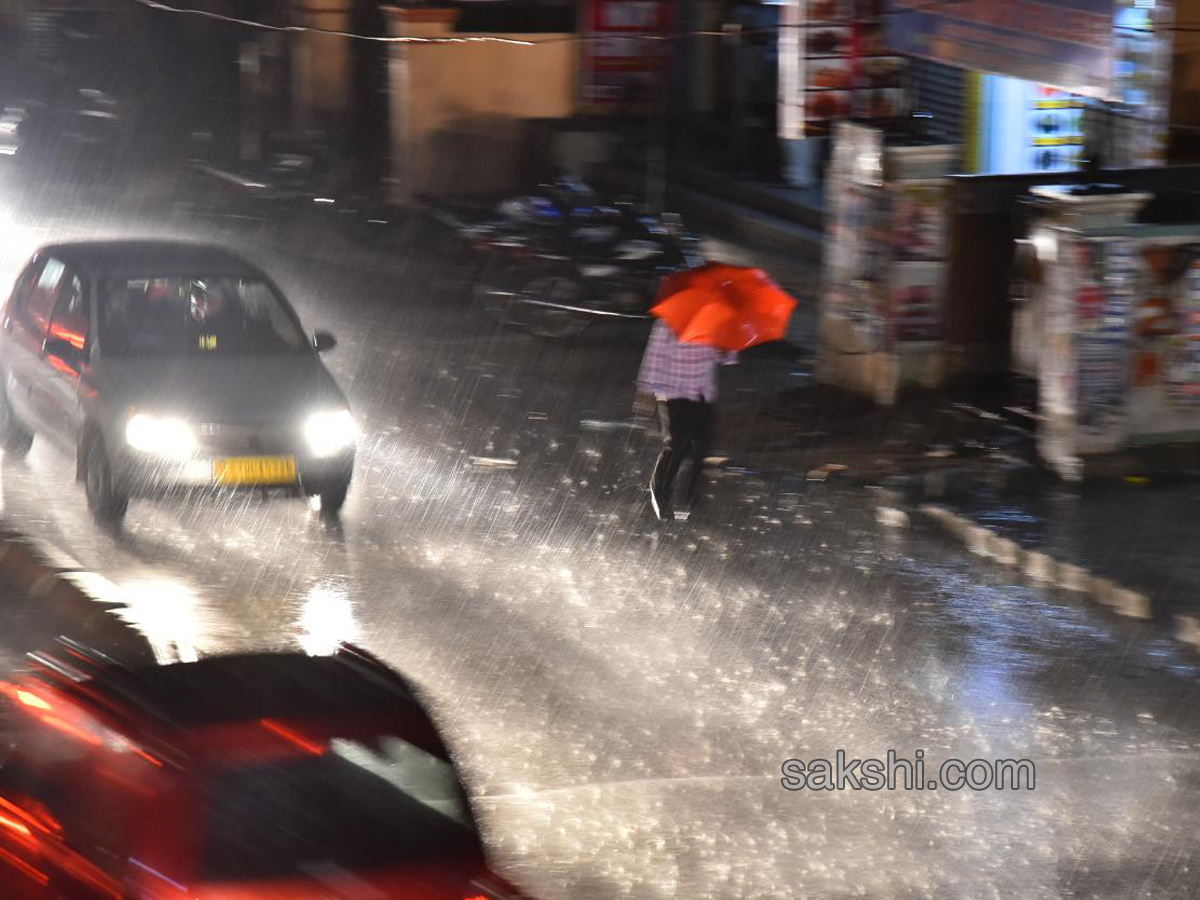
(1181, 370)
(1121, 347)
(920, 221)
(621, 65)
(1067, 44)
(916, 295)
(1103, 298)
(858, 235)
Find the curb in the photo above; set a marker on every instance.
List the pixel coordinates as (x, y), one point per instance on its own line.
(1042, 567)
(63, 599)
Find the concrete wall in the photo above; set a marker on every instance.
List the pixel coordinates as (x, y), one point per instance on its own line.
(459, 111)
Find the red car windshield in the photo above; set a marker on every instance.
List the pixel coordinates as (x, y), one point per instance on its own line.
(351, 808)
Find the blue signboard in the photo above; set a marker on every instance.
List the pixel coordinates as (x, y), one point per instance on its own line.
(1066, 44)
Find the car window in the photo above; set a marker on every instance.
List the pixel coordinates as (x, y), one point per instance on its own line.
(353, 807)
(70, 321)
(195, 316)
(35, 313)
(23, 288)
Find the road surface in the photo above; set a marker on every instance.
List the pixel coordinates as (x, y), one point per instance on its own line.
(623, 698)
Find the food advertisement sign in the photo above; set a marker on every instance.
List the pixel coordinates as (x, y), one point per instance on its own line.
(1066, 44)
(835, 64)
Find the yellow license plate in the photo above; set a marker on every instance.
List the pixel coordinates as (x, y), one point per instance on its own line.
(255, 470)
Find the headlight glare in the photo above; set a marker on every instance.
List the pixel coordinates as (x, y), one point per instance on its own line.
(329, 433)
(172, 438)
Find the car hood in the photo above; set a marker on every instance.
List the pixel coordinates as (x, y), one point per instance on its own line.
(221, 389)
(413, 883)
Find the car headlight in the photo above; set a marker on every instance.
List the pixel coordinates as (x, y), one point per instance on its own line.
(329, 433)
(172, 438)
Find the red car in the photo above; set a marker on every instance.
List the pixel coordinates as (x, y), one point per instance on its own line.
(244, 777)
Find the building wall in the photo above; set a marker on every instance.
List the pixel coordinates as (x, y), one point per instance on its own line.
(321, 61)
(1184, 146)
(460, 112)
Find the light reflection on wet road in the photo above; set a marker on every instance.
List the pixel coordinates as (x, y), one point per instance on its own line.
(622, 699)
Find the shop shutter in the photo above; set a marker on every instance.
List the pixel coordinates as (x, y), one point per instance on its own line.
(939, 89)
(41, 36)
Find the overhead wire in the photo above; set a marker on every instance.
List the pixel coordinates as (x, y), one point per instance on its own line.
(496, 38)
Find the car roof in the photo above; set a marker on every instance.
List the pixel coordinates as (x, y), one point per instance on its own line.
(233, 688)
(167, 703)
(108, 258)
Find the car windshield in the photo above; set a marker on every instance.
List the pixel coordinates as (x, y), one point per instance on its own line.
(195, 316)
(353, 807)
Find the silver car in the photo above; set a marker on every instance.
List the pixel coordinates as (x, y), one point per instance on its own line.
(168, 367)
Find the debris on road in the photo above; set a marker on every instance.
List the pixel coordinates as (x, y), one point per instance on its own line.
(488, 462)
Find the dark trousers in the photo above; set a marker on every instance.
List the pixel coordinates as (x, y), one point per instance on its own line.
(687, 433)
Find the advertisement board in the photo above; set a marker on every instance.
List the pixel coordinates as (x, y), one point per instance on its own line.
(1067, 44)
(621, 62)
(834, 64)
(1024, 127)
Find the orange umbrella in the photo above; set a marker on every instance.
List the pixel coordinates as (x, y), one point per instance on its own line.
(728, 307)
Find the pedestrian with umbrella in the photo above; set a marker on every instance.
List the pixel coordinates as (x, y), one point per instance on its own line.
(706, 316)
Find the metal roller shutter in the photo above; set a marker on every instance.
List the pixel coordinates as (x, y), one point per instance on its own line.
(939, 90)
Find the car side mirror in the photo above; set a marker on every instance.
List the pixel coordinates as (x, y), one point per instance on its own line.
(64, 350)
(323, 340)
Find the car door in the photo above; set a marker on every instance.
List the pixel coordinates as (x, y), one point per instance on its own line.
(65, 378)
(14, 348)
(27, 324)
(71, 819)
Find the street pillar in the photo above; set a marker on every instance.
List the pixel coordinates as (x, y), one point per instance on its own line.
(412, 115)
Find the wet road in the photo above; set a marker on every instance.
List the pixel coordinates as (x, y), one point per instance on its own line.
(623, 698)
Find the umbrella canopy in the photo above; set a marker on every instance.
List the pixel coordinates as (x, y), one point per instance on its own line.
(729, 307)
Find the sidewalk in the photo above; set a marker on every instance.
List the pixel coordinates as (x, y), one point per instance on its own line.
(966, 466)
(1143, 534)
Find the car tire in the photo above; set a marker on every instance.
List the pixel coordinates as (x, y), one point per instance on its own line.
(15, 439)
(106, 501)
(333, 498)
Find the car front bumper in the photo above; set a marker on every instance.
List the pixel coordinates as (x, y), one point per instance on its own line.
(145, 475)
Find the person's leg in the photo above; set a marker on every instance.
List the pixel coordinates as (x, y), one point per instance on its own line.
(677, 418)
(662, 478)
(700, 447)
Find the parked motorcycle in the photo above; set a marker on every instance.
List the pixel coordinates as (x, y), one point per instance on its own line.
(591, 274)
(294, 184)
